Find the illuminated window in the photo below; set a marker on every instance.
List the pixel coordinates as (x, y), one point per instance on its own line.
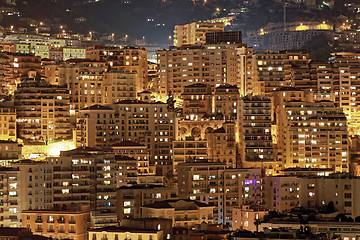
(65, 191)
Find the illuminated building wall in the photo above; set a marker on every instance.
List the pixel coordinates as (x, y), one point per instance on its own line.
(282, 193)
(213, 184)
(84, 80)
(274, 69)
(256, 146)
(225, 101)
(135, 150)
(183, 213)
(126, 59)
(130, 199)
(18, 66)
(314, 191)
(118, 86)
(245, 217)
(35, 188)
(10, 151)
(208, 64)
(313, 135)
(7, 123)
(43, 111)
(73, 53)
(84, 177)
(126, 233)
(190, 147)
(148, 123)
(197, 101)
(347, 86)
(195, 32)
(58, 224)
(222, 146)
(10, 197)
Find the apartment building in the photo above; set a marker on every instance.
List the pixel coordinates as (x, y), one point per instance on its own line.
(212, 183)
(15, 66)
(148, 123)
(197, 101)
(214, 65)
(225, 101)
(84, 176)
(10, 199)
(222, 146)
(183, 213)
(313, 135)
(274, 69)
(7, 123)
(282, 193)
(314, 191)
(21, 188)
(127, 171)
(188, 148)
(10, 151)
(130, 199)
(119, 86)
(246, 216)
(95, 126)
(135, 150)
(113, 233)
(73, 53)
(43, 111)
(195, 32)
(256, 146)
(125, 59)
(60, 224)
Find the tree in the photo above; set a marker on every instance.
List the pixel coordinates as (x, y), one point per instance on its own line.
(319, 48)
(169, 179)
(343, 218)
(330, 207)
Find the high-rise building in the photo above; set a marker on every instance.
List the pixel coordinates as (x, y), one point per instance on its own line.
(43, 111)
(10, 151)
(73, 223)
(256, 146)
(84, 176)
(223, 37)
(130, 199)
(195, 32)
(314, 191)
(7, 123)
(222, 146)
(189, 148)
(214, 184)
(282, 193)
(148, 123)
(197, 101)
(184, 213)
(214, 65)
(274, 69)
(313, 135)
(125, 59)
(118, 86)
(225, 101)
